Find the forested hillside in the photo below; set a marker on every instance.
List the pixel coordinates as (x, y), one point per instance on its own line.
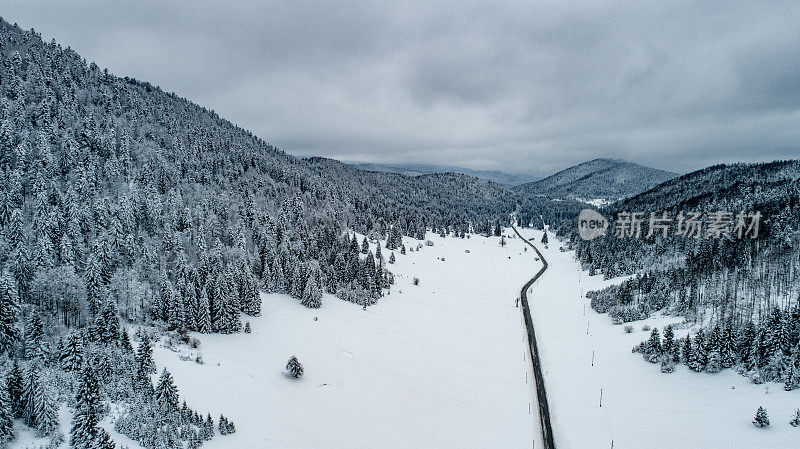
(122, 204)
(742, 289)
(599, 179)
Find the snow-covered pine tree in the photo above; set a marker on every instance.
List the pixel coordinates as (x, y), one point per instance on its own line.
(166, 393)
(796, 418)
(144, 355)
(544, 238)
(203, 316)
(71, 355)
(652, 352)
(13, 386)
(761, 419)
(696, 356)
(669, 340)
(88, 411)
(9, 311)
(714, 364)
(312, 294)
(45, 409)
(294, 368)
(125, 341)
(208, 426)
(403, 249)
(110, 330)
(6, 417)
(34, 330)
(391, 258)
(791, 378)
(223, 425)
(365, 246)
(686, 352)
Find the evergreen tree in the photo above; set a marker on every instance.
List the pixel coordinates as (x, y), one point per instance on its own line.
(203, 316)
(652, 352)
(312, 294)
(669, 340)
(88, 411)
(125, 341)
(687, 350)
(71, 355)
(144, 355)
(391, 258)
(166, 393)
(544, 238)
(365, 246)
(6, 417)
(9, 312)
(14, 387)
(294, 367)
(34, 330)
(761, 419)
(796, 418)
(110, 331)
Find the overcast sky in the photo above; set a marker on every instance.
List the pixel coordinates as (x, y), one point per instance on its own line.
(524, 87)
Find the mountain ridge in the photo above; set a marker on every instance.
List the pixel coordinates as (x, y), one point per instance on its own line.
(602, 180)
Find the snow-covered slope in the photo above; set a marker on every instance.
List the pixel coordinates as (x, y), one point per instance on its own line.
(597, 180)
(641, 406)
(437, 365)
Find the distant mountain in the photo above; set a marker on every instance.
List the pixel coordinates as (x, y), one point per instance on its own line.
(599, 181)
(499, 177)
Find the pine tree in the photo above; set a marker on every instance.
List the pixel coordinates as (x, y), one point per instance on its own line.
(294, 367)
(144, 355)
(9, 312)
(365, 246)
(166, 393)
(669, 340)
(652, 351)
(312, 294)
(391, 258)
(544, 238)
(790, 378)
(34, 330)
(125, 341)
(714, 364)
(796, 418)
(696, 357)
(13, 384)
(403, 250)
(110, 331)
(6, 417)
(761, 419)
(45, 409)
(71, 355)
(88, 411)
(203, 316)
(687, 350)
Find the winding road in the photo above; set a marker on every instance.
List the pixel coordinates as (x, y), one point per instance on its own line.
(541, 392)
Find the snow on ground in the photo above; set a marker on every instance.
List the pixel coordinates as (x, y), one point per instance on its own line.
(437, 365)
(641, 406)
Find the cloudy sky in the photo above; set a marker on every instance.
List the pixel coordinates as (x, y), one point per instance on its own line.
(524, 87)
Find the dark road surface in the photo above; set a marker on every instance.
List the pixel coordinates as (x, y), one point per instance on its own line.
(541, 392)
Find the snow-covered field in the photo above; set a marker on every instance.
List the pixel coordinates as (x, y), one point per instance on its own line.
(641, 406)
(437, 365)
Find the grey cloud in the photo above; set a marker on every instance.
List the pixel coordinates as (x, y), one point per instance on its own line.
(517, 86)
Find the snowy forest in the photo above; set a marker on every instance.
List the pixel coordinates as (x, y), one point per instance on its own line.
(123, 205)
(742, 292)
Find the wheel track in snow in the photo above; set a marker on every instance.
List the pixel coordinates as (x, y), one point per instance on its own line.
(541, 392)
